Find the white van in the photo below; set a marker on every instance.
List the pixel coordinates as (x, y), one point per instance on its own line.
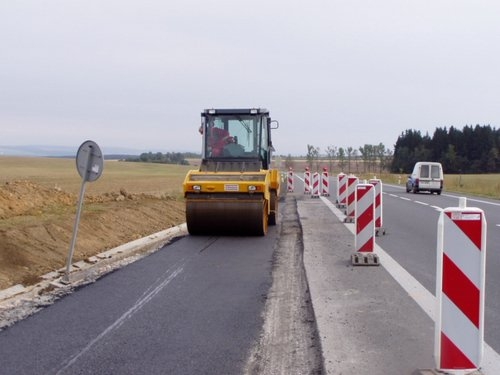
(426, 176)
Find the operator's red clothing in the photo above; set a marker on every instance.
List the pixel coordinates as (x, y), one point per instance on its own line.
(217, 139)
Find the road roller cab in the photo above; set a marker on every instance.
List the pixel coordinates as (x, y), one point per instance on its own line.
(235, 191)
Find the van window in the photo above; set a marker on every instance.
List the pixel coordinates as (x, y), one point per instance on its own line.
(435, 172)
(424, 171)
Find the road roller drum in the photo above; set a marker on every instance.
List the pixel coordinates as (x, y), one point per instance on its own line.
(226, 216)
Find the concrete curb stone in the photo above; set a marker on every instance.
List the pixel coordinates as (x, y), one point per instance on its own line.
(92, 268)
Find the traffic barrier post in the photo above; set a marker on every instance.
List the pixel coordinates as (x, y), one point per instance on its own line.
(379, 210)
(315, 185)
(289, 185)
(341, 190)
(352, 181)
(325, 188)
(307, 181)
(364, 241)
(461, 261)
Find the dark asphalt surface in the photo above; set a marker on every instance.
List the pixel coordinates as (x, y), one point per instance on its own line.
(194, 307)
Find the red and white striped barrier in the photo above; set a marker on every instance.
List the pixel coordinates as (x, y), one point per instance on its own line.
(341, 190)
(364, 240)
(379, 221)
(352, 181)
(365, 218)
(325, 188)
(461, 259)
(307, 181)
(315, 185)
(289, 185)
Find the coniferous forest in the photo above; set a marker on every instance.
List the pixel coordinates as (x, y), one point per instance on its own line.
(470, 150)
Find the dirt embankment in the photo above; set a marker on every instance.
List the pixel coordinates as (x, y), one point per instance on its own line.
(36, 226)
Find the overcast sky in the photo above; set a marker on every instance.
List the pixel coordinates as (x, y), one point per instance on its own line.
(137, 74)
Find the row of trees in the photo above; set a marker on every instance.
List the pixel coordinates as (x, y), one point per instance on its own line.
(369, 158)
(167, 158)
(470, 150)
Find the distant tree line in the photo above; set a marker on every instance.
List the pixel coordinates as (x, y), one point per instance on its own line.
(167, 158)
(366, 159)
(470, 150)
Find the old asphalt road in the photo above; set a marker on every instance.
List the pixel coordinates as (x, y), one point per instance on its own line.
(367, 323)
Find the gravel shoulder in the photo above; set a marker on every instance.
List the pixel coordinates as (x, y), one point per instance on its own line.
(289, 343)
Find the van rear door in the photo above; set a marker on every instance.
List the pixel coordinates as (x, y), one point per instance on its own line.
(430, 177)
(436, 176)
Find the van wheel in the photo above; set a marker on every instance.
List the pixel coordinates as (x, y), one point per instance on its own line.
(438, 192)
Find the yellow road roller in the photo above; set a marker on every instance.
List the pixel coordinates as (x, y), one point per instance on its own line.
(235, 191)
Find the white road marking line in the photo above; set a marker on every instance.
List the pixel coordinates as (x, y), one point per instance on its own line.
(472, 199)
(147, 296)
(422, 203)
(405, 199)
(426, 300)
(393, 195)
(437, 208)
(453, 196)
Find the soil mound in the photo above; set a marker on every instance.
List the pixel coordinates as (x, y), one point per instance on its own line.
(36, 226)
(23, 197)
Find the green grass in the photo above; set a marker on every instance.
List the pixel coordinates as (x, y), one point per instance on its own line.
(164, 179)
(486, 185)
(483, 185)
(147, 178)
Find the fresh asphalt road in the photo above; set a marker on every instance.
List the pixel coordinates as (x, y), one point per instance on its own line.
(411, 239)
(193, 307)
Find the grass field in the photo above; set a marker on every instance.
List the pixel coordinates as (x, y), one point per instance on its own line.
(147, 178)
(163, 179)
(484, 185)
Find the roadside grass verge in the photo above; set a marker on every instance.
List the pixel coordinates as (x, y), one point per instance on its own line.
(483, 185)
